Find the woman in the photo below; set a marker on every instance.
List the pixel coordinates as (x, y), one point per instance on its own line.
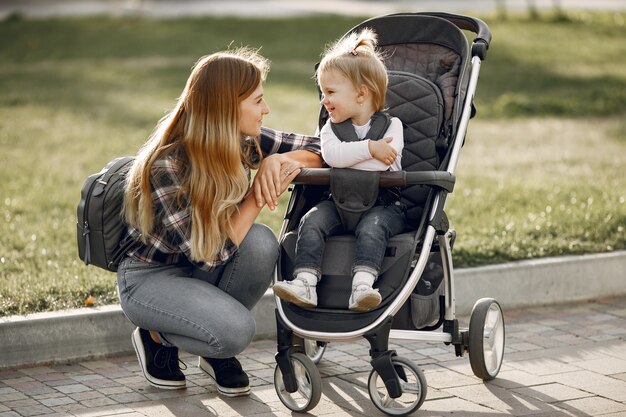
(201, 263)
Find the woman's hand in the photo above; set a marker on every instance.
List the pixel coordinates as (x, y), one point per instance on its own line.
(273, 177)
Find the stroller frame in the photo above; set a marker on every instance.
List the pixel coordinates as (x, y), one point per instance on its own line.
(296, 378)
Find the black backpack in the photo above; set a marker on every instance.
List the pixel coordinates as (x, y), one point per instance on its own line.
(101, 231)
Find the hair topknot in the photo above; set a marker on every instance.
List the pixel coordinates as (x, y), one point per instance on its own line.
(364, 41)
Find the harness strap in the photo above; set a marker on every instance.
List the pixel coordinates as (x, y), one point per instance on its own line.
(346, 133)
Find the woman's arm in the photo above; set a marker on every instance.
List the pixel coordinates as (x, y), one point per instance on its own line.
(273, 141)
(248, 210)
(285, 154)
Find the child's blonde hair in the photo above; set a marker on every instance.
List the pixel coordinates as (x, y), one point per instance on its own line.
(356, 57)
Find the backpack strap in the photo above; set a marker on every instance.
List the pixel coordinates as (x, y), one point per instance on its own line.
(345, 131)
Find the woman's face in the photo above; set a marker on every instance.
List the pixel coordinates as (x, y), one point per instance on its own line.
(252, 109)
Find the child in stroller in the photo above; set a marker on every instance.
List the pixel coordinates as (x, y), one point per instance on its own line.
(353, 80)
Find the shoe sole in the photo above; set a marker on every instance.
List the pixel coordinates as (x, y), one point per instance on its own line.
(293, 298)
(141, 356)
(366, 303)
(225, 391)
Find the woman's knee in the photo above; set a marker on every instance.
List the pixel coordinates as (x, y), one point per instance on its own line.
(238, 337)
(261, 243)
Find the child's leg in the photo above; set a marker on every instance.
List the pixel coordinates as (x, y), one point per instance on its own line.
(319, 223)
(372, 233)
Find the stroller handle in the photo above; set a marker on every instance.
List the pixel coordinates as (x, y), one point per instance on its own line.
(481, 41)
(440, 179)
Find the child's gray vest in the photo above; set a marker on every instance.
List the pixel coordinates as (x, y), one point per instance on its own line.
(356, 191)
(346, 133)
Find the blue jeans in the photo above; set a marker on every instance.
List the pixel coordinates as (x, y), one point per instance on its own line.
(202, 313)
(372, 234)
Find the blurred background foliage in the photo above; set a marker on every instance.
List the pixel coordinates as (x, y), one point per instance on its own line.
(540, 174)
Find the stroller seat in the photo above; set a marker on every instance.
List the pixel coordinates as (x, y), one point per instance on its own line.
(336, 283)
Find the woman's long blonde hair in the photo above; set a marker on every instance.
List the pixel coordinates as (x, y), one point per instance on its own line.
(203, 131)
(355, 56)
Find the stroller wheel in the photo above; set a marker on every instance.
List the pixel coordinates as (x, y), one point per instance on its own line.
(309, 382)
(314, 350)
(412, 382)
(486, 338)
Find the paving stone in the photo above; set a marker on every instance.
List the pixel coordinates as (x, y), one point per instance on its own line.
(7, 390)
(604, 366)
(52, 402)
(174, 407)
(98, 402)
(507, 401)
(619, 376)
(32, 410)
(455, 407)
(87, 395)
(39, 397)
(543, 367)
(103, 410)
(445, 378)
(559, 361)
(73, 388)
(12, 396)
(595, 383)
(70, 409)
(553, 393)
(618, 414)
(118, 389)
(594, 406)
(128, 397)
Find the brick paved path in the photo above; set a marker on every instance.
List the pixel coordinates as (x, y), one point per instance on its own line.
(564, 360)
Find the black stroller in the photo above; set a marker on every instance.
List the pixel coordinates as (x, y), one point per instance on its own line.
(433, 74)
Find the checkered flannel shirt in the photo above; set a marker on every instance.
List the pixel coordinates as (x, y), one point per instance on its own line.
(170, 240)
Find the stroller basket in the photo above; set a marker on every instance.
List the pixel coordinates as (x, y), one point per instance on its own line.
(432, 75)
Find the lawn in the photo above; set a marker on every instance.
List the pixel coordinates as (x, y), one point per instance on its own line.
(541, 173)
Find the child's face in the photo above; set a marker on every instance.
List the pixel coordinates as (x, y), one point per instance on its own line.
(341, 99)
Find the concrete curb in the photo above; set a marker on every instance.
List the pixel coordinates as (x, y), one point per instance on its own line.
(81, 334)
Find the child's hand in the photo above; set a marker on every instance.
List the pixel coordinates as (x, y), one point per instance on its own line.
(382, 151)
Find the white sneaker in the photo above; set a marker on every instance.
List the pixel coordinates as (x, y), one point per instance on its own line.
(364, 298)
(297, 291)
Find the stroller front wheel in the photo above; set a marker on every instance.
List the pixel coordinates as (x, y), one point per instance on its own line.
(413, 385)
(486, 338)
(309, 383)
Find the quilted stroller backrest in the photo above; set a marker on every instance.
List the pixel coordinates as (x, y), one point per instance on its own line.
(426, 57)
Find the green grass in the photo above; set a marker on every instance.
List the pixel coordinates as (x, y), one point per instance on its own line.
(540, 175)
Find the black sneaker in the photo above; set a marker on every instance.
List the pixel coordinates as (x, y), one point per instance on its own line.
(231, 380)
(158, 363)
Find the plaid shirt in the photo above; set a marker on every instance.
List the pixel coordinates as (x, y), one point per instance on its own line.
(170, 240)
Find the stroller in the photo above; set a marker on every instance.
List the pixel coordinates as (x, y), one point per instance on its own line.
(432, 74)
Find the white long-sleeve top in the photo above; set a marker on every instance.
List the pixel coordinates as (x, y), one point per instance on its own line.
(356, 154)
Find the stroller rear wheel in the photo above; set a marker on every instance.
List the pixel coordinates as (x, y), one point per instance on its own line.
(486, 338)
(412, 382)
(309, 383)
(314, 350)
